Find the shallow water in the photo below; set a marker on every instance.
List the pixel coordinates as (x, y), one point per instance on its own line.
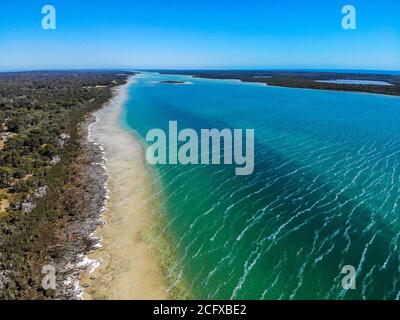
(325, 192)
(125, 265)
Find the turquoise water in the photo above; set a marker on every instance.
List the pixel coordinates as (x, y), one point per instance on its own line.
(325, 191)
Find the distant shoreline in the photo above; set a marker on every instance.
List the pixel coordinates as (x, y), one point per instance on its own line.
(318, 79)
(302, 79)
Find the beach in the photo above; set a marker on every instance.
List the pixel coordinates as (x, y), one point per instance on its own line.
(125, 264)
(181, 231)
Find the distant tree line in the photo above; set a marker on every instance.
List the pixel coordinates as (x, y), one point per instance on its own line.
(302, 79)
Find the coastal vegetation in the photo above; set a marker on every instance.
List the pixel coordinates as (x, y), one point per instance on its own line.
(40, 162)
(172, 82)
(302, 79)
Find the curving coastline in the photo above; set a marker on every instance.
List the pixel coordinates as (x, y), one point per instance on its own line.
(126, 264)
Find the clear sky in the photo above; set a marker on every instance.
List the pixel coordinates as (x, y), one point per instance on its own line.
(200, 34)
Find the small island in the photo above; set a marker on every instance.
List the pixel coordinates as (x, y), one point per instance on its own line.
(388, 84)
(174, 82)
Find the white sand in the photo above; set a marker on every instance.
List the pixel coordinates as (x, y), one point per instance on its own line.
(129, 265)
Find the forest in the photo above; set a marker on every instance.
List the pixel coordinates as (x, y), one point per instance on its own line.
(40, 142)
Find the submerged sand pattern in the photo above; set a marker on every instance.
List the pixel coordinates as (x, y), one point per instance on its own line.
(129, 263)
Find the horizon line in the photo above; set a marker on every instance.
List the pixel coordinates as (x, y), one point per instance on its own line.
(5, 70)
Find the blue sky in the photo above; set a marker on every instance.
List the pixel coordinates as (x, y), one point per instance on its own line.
(200, 34)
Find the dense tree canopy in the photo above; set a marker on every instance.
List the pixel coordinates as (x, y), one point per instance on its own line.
(40, 161)
(37, 109)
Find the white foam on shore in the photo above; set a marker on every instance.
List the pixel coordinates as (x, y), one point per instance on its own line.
(91, 138)
(89, 264)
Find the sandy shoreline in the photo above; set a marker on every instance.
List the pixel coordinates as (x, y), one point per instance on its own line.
(127, 264)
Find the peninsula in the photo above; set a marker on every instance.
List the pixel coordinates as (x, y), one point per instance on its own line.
(321, 80)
